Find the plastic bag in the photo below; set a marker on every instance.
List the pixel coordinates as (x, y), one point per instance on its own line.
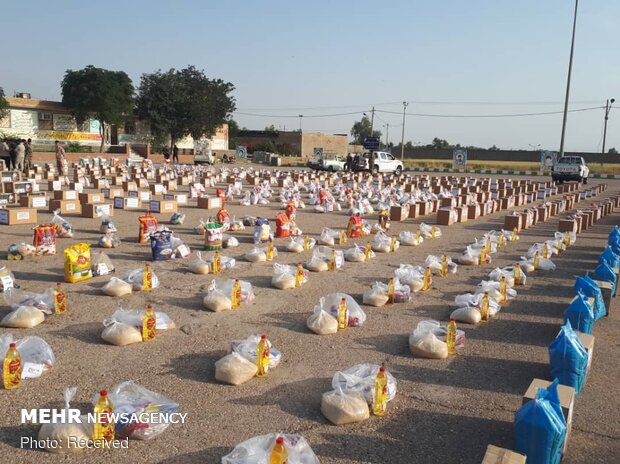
(493, 288)
(120, 334)
(258, 449)
(234, 369)
(605, 273)
(377, 295)
(609, 257)
(341, 408)
(228, 241)
(199, 266)
(109, 240)
(324, 253)
(427, 340)
(409, 238)
(148, 225)
(427, 231)
(37, 356)
(360, 379)
(64, 435)
(135, 278)
(383, 244)
(101, 265)
(44, 239)
(215, 300)
(475, 300)
(19, 251)
(435, 263)
(467, 314)
(508, 272)
(131, 398)
(24, 317)
(591, 290)
(328, 237)
(470, 257)
(247, 349)
(134, 317)
(568, 359)
(321, 322)
(15, 298)
(580, 314)
(357, 254)
(177, 218)
(116, 287)
(63, 228)
(413, 276)
(106, 225)
(247, 291)
(77, 263)
(330, 303)
(284, 277)
(256, 255)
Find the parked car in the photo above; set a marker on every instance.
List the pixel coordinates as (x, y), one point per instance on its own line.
(327, 162)
(382, 162)
(570, 168)
(204, 156)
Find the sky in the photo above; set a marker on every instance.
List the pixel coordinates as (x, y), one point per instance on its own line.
(331, 61)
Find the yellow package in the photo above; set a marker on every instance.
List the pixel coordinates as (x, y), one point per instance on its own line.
(77, 263)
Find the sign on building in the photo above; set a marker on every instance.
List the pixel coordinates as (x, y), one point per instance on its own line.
(459, 158)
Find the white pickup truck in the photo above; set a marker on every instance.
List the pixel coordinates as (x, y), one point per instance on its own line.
(570, 168)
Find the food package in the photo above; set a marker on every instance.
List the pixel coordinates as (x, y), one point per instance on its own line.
(435, 263)
(328, 237)
(7, 279)
(135, 278)
(134, 317)
(382, 243)
(61, 433)
(133, 399)
(316, 264)
(330, 303)
(179, 249)
(493, 288)
(247, 348)
(116, 287)
(340, 408)
(120, 334)
(426, 231)
(161, 245)
(44, 239)
(413, 276)
(19, 251)
(213, 235)
(284, 277)
(470, 257)
(375, 296)
(527, 265)
(234, 369)
(360, 380)
(321, 322)
(107, 226)
(177, 218)
(63, 228)
(199, 266)
(256, 255)
(215, 300)
(109, 240)
(101, 264)
(357, 254)
(507, 272)
(77, 263)
(247, 292)
(424, 343)
(14, 297)
(228, 241)
(258, 449)
(24, 317)
(466, 314)
(296, 245)
(37, 355)
(148, 225)
(409, 238)
(475, 300)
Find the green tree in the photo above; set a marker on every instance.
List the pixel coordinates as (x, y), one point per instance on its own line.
(613, 151)
(4, 104)
(361, 130)
(438, 143)
(233, 133)
(271, 129)
(184, 102)
(107, 95)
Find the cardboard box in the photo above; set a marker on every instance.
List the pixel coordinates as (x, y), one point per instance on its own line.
(446, 216)
(157, 189)
(130, 185)
(606, 290)
(163, 206)
(97, 210)
(567, 225)
(112, 192)
(65, 195)
(497, 455)
(414, 211)
(127, 203)
(209, 202)
(65, 206)
(34, 201)
(399, 213)
(461, 214)
(511, 221)
(14, 216)
(180, 198)
(91, 198)
(473, 211)
(8, 199)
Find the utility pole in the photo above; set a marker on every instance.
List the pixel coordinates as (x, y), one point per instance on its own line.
(607, 110)
(570, 68)
(372, 120)
(402, 140)
(387, 135)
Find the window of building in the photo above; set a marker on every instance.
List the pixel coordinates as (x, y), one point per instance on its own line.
(46, 121)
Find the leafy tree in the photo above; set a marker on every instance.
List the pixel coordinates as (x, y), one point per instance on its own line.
(233, 133)
(107, 95)
(184, 102)
(613, 151)
(361, 130)
(4, 104)
(493, 147)
(272, 129)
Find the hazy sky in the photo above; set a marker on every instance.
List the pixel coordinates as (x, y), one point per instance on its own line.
(317, 58)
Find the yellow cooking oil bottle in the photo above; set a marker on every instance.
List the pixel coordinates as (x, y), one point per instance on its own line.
(545, 252)
(433, 232)
(147, 278)
(444, 265)
(331, 265)
(279, 453)
(60, 299)
(484, 307)
(262, 357)
(451, 336)
(306, 243)
(104, 426)
(393, 245)
(503, 289)
(514, 235)
(418, 237)
(12, 368)
(149, 324)
(427, 279)
(367, 251)
(379, 405)
(483, 255)
(217, 263)
(299, 275)
(269, 253)
(517, 274)
(343, 238)
(390, 290)
(536, 260)
(343, 315)
(235, 297)
(501, 239)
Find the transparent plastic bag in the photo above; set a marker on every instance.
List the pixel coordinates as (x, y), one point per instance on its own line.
(427, 231)
(321, 322)
(258, 449)
(109, 240)
(61, 433)
(199, 266)
(296, 245)
(329, 236)
(256, 255)
(120, 334)
(466, 314)
(247, 349)
(14, 297)
(234, 369)
(493, 288)
(360, 379)
(357, 254)
(228, 241)
(136, 278)
(247, 291)
(341, 408)
(37, 356)
(284, 276)
(215, 300)
(409, 238)
(134, 318)
(413, 276)
(383, 244)
(475, 300)
(63, 227)
(101, 264)
(428, 340)
(117, 287)
(330, 303)
(107, 226)
(435, 263)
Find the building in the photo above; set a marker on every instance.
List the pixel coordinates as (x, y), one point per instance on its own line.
(45, 121)
(294, 142)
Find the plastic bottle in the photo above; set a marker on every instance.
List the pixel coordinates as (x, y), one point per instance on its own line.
(262, 357)
(501, 240)
(269, 253)
(483, 255)
(393, 245)
(235, 296)
(379, 404)
(104, 426)
(299, 275)
(306, 243)
(514, 235)
(279, 454)
(503, 290)
(418, 236)
(536, 260)
(567, 239)
(488, 245)
(147, 278)
(390, 290)
(517, 274)
(149, 324)
(367, 251)
(427, 279)
(343, 315)
(343, 238)
(433, 232)
(332, 261)
(484, 307)
(12, 368)
(451, 336)
(444, 265)
(60, 299)
(217, 263)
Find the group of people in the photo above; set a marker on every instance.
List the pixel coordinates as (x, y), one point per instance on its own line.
(19, 153)
(353, 162)
(175, 154)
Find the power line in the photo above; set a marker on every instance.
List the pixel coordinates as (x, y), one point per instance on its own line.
(296, 115)
(513, 115)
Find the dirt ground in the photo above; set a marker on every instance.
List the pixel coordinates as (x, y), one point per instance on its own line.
(445, 410)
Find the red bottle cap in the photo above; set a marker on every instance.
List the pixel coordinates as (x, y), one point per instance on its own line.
(103, 393)
(382, 369)
(12, 345)
(452, 319)
(279, 440)
(344, 299)
(263, 337)
(57, 284)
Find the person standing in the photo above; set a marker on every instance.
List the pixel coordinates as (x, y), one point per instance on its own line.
(348, 162)
(20, 155)
(12, 154)
(175, 154)
(60, 158)
(28, 160)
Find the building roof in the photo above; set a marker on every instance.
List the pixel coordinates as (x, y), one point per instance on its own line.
(33, 104)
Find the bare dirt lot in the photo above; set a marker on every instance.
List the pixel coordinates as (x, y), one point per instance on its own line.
(445, 411)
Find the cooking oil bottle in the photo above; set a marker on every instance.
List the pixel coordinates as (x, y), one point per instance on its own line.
(306, 243)
(269, 252)
(503, 290)
(379, 404)
(343, 315)
(418, 237)
(433, 232)
(104, 426)
(451, 336)
(514, 235)
(12, 368)
(488, 246)
(444, 266)
(279, 454)
(217, 263)
(262, 357)
(60, 299)
(427, 279)
(501, 240)
(545, 252)
(483, 255)
(567, 239)
(392, 244)
(331, 266)
(343, 238)
(299, 275)
(367, 251)
(536, 260)
(149, 324)
(390, 290)
(484, 307)
(147, 278)
(517, 274)
(235, 297)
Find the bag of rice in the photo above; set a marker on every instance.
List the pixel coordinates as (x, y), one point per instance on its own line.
(427, 231)
(148, 225)
(316, 264)
(321, 322)
(24, 317)
(341, 408)
(120, 334)
(64, 435)
(375, 296)
(77, 263)
(328, 236)
(357, 254)
(234, 369)
(409, 238)
(256, 255)
(427, 345)
(135, 278)
(467, 314)
(199, 266)
(116, 287)
(63, 228)
(217, 301)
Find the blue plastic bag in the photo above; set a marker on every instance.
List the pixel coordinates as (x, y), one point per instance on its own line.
(614, 240)
(568, 359)
(605, 273)
(540, 429)
(608, 256)
(580, 314)
(591, 290)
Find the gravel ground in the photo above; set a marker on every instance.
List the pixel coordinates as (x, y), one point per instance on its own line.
(445, 410)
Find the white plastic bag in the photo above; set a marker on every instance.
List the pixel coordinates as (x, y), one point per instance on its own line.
(234, 369)
(24, 317)
(37, 356)
(493, 288)
(360, 379)
(61, 433)
(383, 244)
(413, 276)
(475, 300)
(258, 449)
(136, 277)
(134, 318)
(409, 238)
(330, 303)
(428, 340)
(321, 322)
(256, 255)
(341, 408)
(120, 334)
(14, 297)
(199, 266)
(284, 277)
(466, 314)
(357, 254)
(470, 257)
(328, 236)
(296, 245)
(247, 349)
(435, 263)
(116, 287)
(427, 231)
